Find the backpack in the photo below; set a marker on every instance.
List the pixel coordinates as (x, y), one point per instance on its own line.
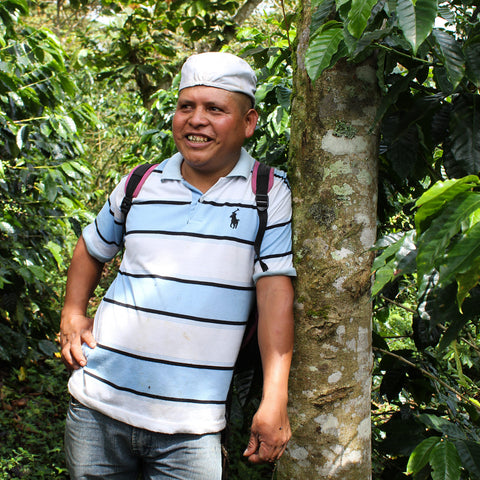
(262, 182)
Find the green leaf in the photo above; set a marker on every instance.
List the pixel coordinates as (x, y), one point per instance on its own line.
(397, 88)
(421, 455)
(433, 242)
(50, 186)
(283, 95)
(469, 453)
(465, 133)
(47, 347)
(56, 251)
(358, 16)
(445, 462)
(321, 11)
(416, 20)
(323, 45)
(467, 281)
(391, 261)
(451, 55)
(442, 425)
(472, 56)
(461, 258)
(452, 332)
(440, 194)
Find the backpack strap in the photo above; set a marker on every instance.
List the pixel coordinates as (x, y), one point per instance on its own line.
(134, 183)
(262, 182)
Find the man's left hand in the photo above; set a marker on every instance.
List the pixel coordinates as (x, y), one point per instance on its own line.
(270, 433)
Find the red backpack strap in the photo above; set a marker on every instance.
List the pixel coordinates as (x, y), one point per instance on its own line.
(271, 172)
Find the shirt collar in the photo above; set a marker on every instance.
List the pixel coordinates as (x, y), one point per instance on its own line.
(243, 167)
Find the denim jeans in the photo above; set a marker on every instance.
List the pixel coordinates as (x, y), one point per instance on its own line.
(99, 447)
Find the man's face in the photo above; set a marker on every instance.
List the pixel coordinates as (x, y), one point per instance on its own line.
(209, 127)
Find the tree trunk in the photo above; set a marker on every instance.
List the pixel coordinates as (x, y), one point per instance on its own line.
(334, 185)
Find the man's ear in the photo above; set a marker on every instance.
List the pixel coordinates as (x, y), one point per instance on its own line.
(251, 119)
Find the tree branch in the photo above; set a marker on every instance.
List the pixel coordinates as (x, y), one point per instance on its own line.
(428, 374)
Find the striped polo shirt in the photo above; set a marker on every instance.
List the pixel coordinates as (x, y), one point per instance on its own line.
(170, 326)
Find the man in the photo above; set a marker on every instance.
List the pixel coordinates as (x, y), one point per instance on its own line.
(152, 371)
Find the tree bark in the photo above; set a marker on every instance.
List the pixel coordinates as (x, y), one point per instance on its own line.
(334, 188)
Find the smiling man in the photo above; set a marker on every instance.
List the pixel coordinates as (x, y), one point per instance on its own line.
(152, 371)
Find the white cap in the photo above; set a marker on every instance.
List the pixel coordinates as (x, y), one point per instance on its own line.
(220, 70)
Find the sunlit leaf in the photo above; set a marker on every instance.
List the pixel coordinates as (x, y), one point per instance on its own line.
(6, 228)
(433, 242)
(56, 251)
(440, 194)
(323, 45)
(421, 455)
(22, 136)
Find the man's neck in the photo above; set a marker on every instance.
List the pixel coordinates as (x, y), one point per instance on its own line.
(200, 179)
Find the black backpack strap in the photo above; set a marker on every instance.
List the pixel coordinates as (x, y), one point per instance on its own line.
(136, 176)
(262, 180)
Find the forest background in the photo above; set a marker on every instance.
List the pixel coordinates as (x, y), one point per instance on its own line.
(87, 90)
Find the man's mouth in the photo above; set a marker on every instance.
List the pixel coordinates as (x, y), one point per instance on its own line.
(197, 139)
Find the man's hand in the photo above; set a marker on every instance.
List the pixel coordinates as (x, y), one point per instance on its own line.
(270, 433)
(75, 330)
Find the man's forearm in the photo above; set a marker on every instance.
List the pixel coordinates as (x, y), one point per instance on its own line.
(275, 334)
(82, 278)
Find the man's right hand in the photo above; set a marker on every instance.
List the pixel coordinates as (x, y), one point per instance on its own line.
(75, 329)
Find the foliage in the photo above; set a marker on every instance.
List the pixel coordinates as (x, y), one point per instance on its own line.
(40, 121)
(32, 415)
(147, 42)
(429, 111)
(427, 269)
(440, 256)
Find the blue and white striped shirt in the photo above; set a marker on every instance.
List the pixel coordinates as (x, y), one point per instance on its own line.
(169, 328)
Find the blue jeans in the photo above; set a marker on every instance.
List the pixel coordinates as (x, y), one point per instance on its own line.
(99, 447)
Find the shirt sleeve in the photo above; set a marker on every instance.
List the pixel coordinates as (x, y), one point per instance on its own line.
(276, 248)
(104, 236)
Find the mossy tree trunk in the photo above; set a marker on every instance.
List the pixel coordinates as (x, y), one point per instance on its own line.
(334, 185)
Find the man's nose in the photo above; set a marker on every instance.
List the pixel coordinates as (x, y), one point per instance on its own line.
(198, 117)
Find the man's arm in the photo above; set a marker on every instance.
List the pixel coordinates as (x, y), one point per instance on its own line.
(270, 429)
(75, 328)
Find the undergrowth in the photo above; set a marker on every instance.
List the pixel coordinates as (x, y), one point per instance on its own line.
(34, 400)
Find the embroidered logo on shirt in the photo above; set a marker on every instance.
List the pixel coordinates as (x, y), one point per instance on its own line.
(234, 220)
